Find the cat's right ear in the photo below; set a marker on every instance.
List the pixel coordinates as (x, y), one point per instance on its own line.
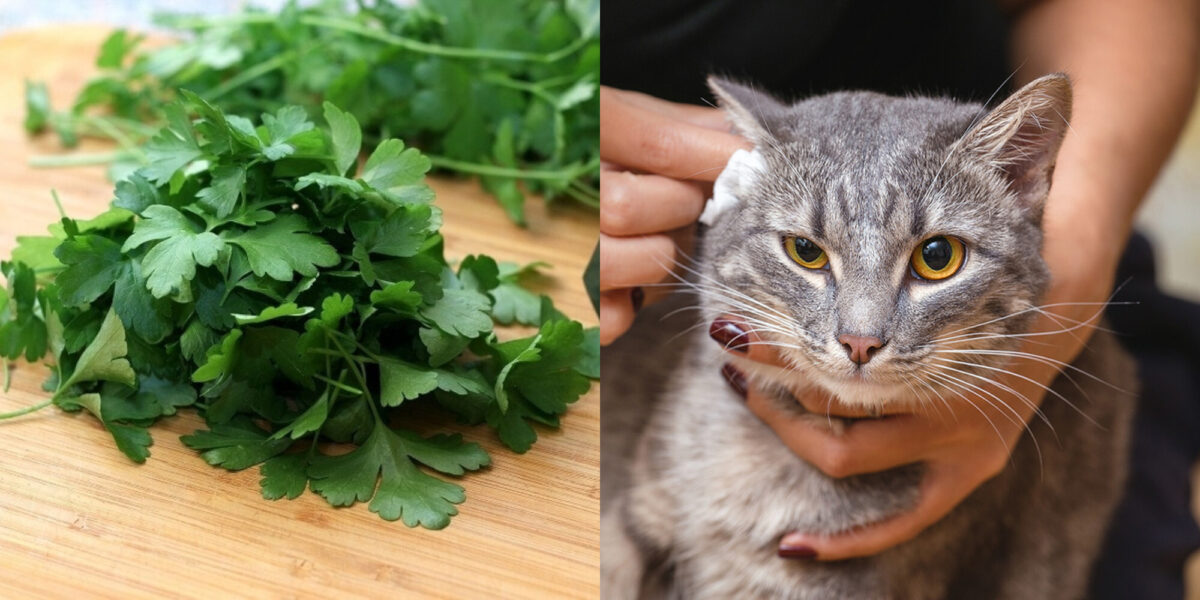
(753, 113)
(1022, 135)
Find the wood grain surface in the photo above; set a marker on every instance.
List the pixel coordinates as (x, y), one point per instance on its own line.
(78, 519)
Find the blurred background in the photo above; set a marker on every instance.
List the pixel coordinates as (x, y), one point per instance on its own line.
(1170, 216)
(125, 13)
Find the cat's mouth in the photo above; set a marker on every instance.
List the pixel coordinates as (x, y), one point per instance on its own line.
(860, 390)
(867, 389)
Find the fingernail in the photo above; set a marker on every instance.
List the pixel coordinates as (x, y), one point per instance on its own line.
(729, 334)
(796, 552)
(637, 296)
(735, 379)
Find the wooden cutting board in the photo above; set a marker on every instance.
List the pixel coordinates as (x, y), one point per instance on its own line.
(78, 519)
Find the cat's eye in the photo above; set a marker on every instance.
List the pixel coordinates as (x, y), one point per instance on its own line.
(805, 252)
(938, 257)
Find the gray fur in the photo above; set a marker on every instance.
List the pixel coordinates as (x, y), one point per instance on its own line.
(696, 497)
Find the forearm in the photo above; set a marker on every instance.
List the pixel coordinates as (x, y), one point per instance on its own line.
(1134, 67)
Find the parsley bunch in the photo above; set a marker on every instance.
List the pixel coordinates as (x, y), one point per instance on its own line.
(245, 271)
(502, 89)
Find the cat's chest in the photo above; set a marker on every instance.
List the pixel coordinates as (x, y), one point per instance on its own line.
(729, 469)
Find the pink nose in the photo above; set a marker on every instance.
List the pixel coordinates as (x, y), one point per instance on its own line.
(860, 348)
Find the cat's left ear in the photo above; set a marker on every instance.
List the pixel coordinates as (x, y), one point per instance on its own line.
(1021, 137)
(753, 113)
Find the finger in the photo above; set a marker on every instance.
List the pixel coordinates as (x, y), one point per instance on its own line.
(864, 446)
(617, 312)
(627, 262)
(738, 337)
(654, 143)
(639, 204)
(707, 117)
(942, 489)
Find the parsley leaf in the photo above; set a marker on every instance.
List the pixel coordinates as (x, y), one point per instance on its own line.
(466, 81)
(223, 192)
(283, 247)
(104, 359)
(235, 445)
(172, 149)
(287, 313)
(284, 477)
(93, 265)
(381, 470)
(461, 312)
(346, 137)
(400, 234)
(400, 381)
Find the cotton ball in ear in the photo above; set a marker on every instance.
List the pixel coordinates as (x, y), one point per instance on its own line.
(732, 184)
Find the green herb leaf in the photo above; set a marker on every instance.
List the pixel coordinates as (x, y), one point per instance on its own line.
(398, 172)
(222, 194)
(235, 445)
(346, 136)
(462, 312)
(284, 247)
(104, 359)
(381, 470)
(287, 312)
(172, 149)
(284, 477)
(400, 381)
(93, 265)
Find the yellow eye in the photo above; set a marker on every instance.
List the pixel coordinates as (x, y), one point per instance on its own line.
(805, 252)
(938, 257)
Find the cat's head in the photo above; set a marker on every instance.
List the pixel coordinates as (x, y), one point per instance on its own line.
(882, 241)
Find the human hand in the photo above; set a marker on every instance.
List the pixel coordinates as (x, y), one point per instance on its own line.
(963, 440)
(659, 161)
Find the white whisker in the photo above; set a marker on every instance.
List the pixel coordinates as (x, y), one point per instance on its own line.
(1023, 377)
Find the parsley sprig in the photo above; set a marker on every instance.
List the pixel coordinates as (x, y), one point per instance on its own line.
(505, 90)
(254, 273)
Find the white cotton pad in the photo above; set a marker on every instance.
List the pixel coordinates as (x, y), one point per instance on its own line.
(732, 183)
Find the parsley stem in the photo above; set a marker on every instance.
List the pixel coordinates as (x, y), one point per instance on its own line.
(371, 356)
(76, 160)
(58, 203)
(26, 410)
(586, 189)
(439, 50)
(496, 171)
(582, 198)
(250, 74)
(521, 86)
(338, 385)
(111, 130)
(360, 29)
(353, 365)
(557, 81)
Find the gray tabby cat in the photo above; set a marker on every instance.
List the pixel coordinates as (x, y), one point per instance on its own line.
(902, 221)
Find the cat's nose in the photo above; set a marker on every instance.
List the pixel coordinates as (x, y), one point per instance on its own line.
(860, 348)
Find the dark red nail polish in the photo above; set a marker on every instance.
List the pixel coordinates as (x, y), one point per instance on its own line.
(735, 379)
(638, 297)
(797, 552)
(729, 334)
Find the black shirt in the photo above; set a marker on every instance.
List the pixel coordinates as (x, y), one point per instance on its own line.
(796, 48)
